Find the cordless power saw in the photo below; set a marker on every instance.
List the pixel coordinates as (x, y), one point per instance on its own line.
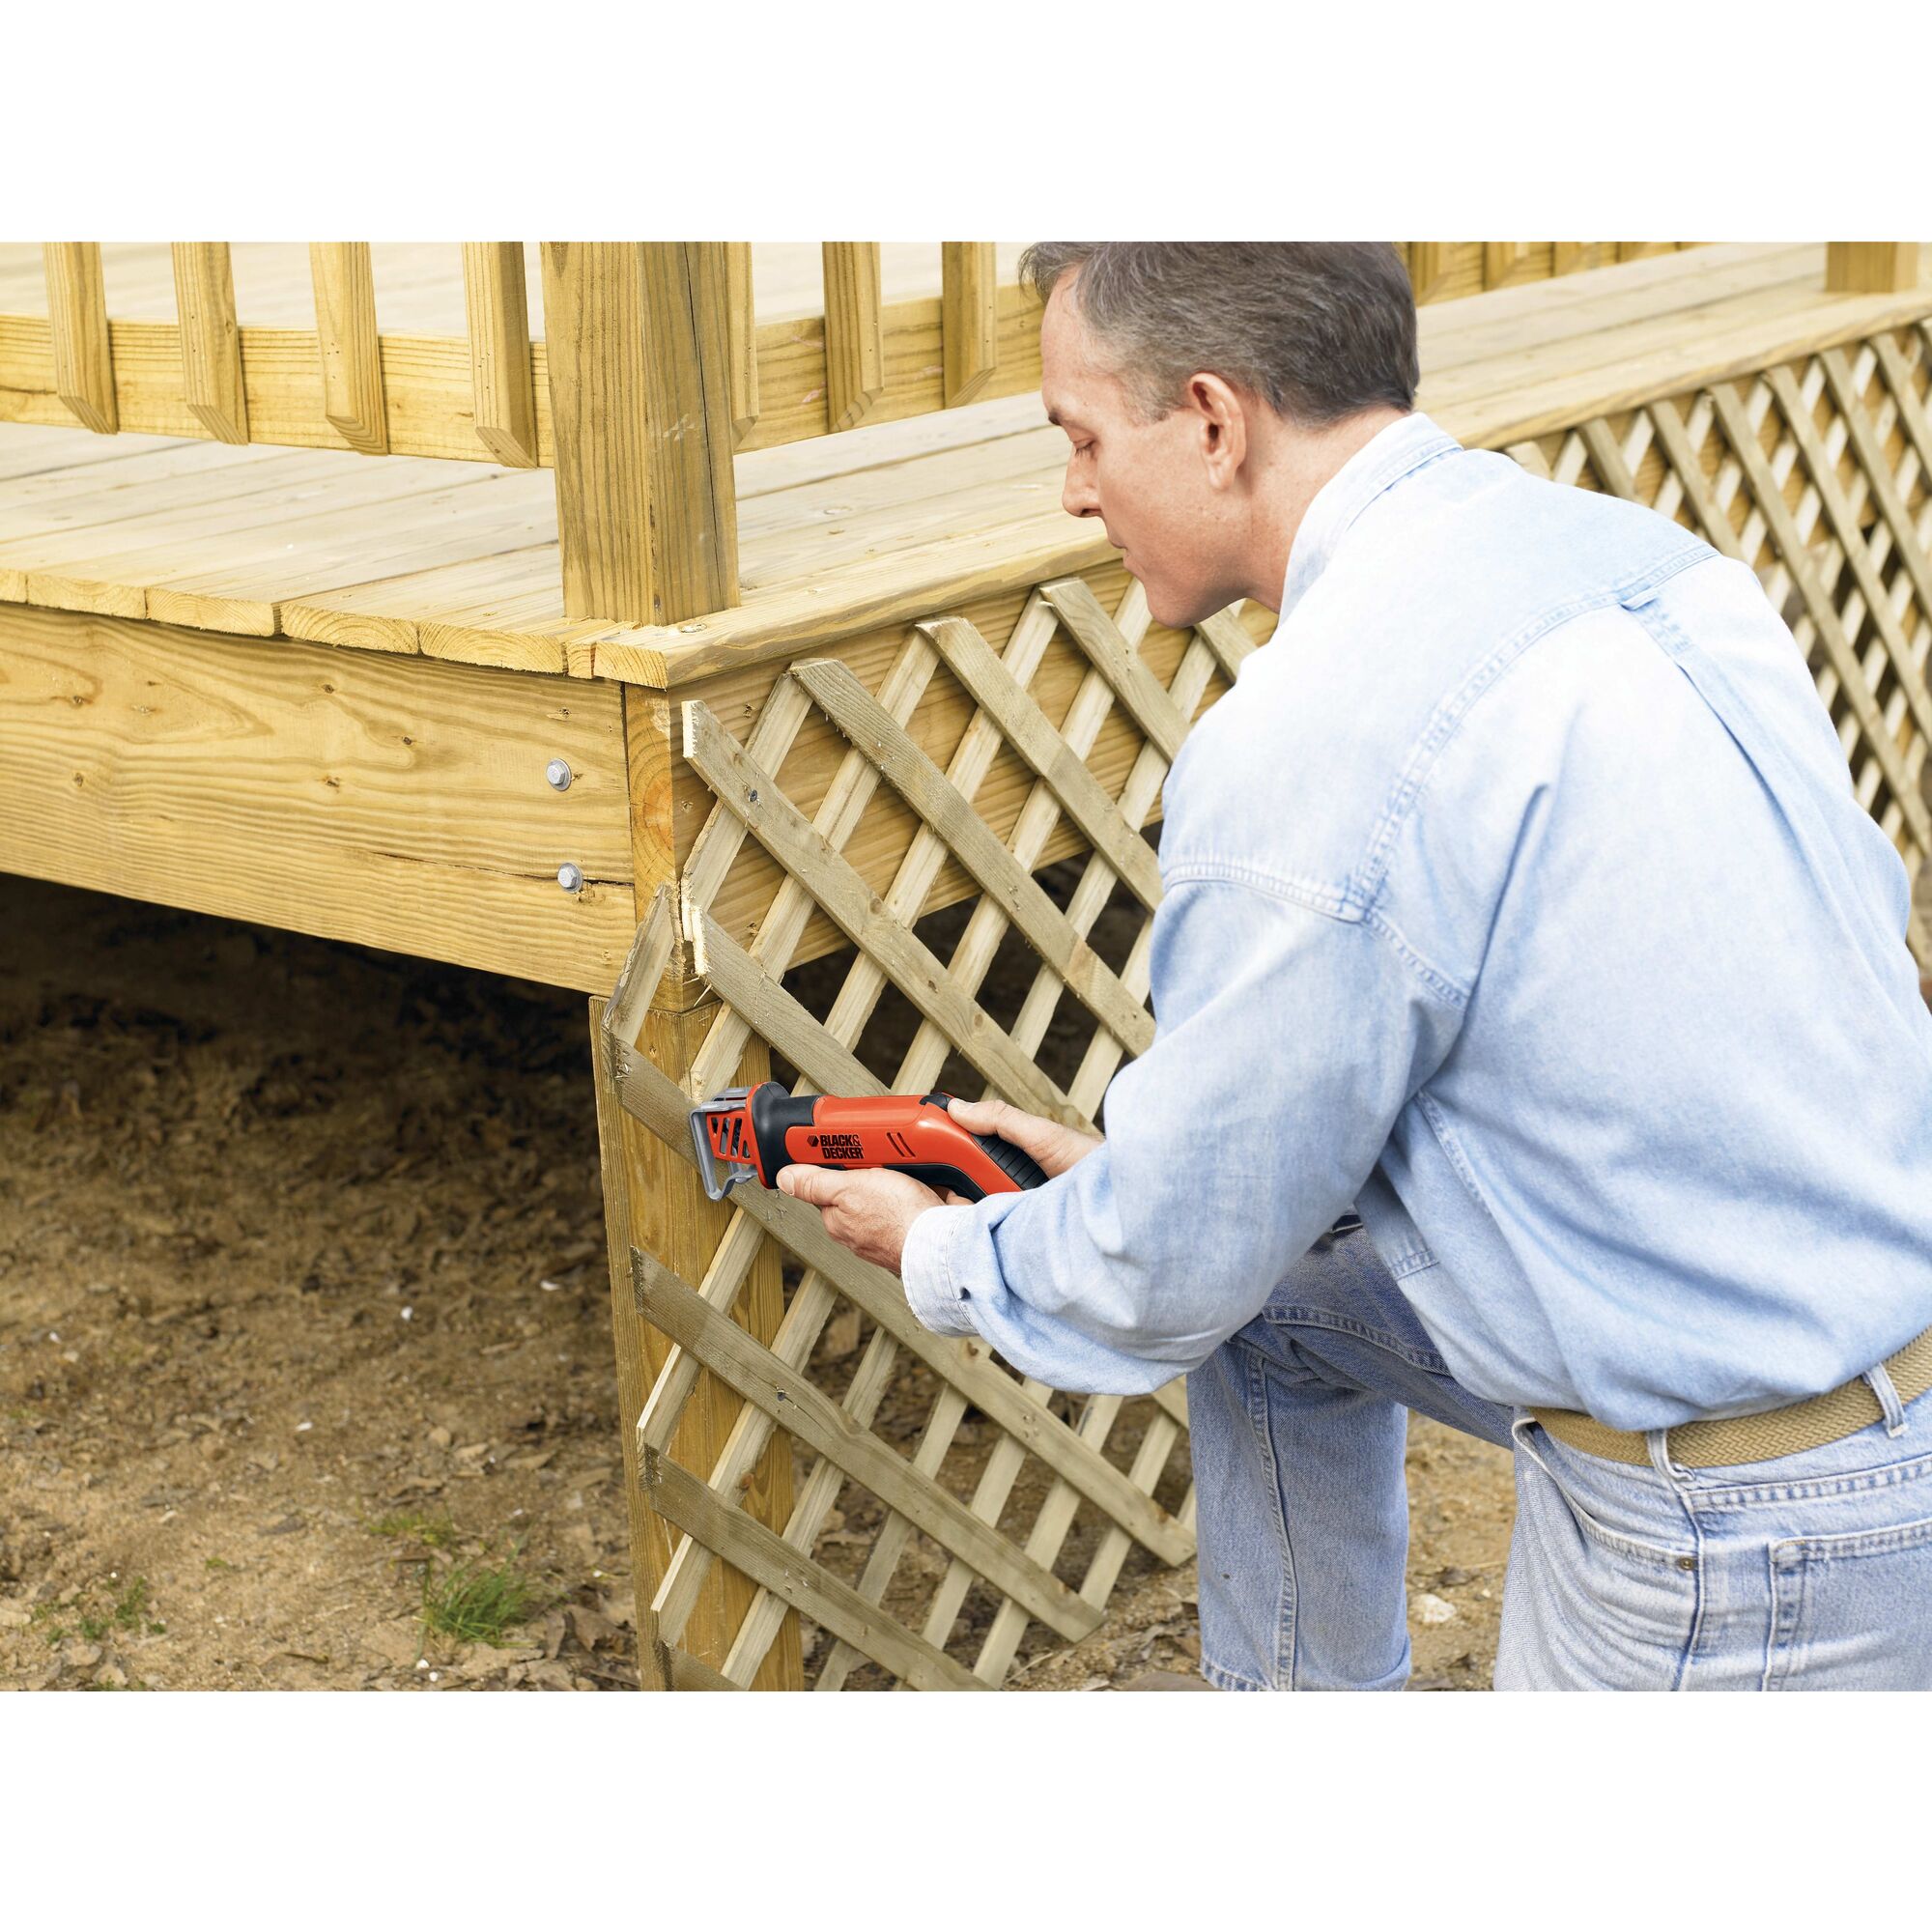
(750, 1132)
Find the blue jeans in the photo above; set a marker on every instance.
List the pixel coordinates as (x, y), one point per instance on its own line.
(1811, 1572)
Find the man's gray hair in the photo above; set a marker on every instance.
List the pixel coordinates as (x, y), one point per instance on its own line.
(1318, 329)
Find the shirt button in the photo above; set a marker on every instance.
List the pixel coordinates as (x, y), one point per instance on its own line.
(1687, 1563)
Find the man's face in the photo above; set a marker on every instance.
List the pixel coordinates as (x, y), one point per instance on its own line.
(1146, 481)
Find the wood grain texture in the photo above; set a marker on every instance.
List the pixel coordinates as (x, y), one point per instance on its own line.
(77, 317)
(351, 354)
(594, 311)
(647, 510)
(1870, 267)
(355, 796)
(429, 379)
(1798, 558)
(855, 348)
(939, 724)
(1025, 726)
(960, 830)
(787, 1396)
(210, 340)
(664, 1107)
(653, 1201)
(754, 797)
(742, 334)
(970, 304)
(806, 1585)
(692, 492)
(503, 390)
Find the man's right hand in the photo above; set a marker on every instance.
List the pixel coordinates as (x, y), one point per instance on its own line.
(1056, 1147)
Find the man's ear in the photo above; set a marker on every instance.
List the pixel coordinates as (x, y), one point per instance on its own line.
(1223, 426)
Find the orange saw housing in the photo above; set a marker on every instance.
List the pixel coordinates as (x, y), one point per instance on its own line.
(750, 1133)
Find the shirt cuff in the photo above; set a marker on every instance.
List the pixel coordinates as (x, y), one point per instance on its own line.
(925, 1268)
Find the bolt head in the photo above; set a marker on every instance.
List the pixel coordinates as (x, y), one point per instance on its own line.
(558, 775)
(570, 877)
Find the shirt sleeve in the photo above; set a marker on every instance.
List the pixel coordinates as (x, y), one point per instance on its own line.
(1287, 1042)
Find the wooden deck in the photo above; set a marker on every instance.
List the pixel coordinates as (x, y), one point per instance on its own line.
(415, 556)
(399, 599)
(277, 681)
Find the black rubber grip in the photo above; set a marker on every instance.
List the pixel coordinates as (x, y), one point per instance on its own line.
(1015, 1163)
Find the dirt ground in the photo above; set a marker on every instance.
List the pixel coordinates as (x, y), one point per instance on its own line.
(304, 1304)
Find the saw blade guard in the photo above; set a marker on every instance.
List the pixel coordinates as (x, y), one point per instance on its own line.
(720, 1137)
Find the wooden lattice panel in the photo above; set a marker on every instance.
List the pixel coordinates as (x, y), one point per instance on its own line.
(1037, 1524)
(928, 1568)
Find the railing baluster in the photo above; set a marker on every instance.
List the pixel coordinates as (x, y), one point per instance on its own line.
(495, 301)
(211, 340)
(77, 314)
(855, 348)
(351, 352)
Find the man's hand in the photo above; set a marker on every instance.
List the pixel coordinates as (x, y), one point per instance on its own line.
(872, 1210)
(1054, 1146)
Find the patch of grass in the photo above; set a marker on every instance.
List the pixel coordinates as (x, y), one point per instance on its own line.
(128, 1611)
(437, 1532)
(131, 1610)
(216, 1563)
(480, 1603)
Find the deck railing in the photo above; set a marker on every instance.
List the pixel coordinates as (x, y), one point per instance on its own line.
(482, 396)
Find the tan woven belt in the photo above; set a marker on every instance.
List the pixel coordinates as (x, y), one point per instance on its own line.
(1755, 1439)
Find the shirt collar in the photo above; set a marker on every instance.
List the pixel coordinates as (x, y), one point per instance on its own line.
(1381, 463)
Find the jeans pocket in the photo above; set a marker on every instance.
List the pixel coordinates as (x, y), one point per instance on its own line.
(1852, 1611)
(1587, 1607)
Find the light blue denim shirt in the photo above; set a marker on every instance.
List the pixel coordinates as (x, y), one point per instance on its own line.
(1518, 895)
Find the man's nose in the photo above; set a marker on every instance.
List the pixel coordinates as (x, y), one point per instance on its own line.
(1078, 498)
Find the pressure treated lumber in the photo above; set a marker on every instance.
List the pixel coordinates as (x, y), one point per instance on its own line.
(683, 1499)
(211, 340)
(430, 390)
(741, 324)
(351, 795)
(789, 1399)
(962, 831)
(77, 317)
(754, 797)
(639, 384)
(855, 351)
(352, 356)
(664, 1108)
(502, 393)
(969, 300)
(1025, 726)
(653, 1202)
(1871, 267)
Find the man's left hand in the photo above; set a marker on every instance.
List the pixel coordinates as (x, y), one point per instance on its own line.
(870, 1210)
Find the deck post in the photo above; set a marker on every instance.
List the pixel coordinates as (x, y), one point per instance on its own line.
(1870, 267)
(638, 340)
(639, 349)
(652, 1200)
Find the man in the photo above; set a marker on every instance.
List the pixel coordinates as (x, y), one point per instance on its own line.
(1517, 897)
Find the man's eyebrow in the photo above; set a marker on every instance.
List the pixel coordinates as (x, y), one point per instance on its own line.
(1054, 416)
